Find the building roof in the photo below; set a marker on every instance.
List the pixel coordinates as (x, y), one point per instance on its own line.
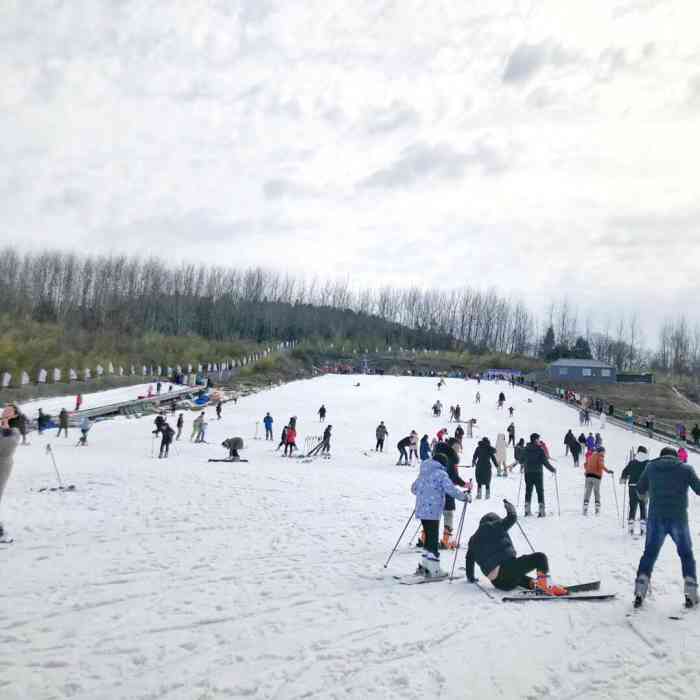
(566, 362)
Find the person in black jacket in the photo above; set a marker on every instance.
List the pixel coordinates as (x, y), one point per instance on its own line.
(631, 475)
(402, 446)
(492, 549)
(573, 446)
(484, 456)
(167, 437)
(449, 450)
(533, 458)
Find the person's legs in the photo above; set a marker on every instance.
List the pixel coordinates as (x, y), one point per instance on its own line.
(513, 572)
(432, 533)
(587, 493)
(656, 534)
(529, 483)
(596, 494)
(680, 534)
(539, 487)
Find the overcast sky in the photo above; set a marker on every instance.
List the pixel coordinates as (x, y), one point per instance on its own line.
(549, 148)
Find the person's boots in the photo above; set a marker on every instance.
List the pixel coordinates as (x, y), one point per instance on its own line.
(641, 588)
(541, 512)
(488, 492)
(597, 508)
(585, 507)
(422, 568)
(432, 564)
(543, 585)
(446, 542)
(478, 492)
(630, 526)
(528, 512)
(642, 527)
(691, 592)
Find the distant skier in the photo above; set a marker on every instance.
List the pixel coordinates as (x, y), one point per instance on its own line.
(202, 431)
(424, 448)
(573, 446)
(501, 455)
(78, 402)
(180, 424)
(511, 411)
(501, 400)
(166, 440)
(594, 468)
(322, 414)
(267, 422)
(290, 441)
(283, 438)
(196, 425)
(459, 437)
(324, 447)
(159, 386)
(492, 549)
(667, 481)
(42, 421)
(430, 489)
(477, 398)
(533, 459)
(85, 425)
(62, 423)
(413, 447)
(484, 456)
(381, 434)
(458, 413)
(402, 446)
(630, 476)
(695, 433)
(219, 406)
(511, 434)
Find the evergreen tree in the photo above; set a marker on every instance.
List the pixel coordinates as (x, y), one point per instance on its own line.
(582, 349)
(548, 343)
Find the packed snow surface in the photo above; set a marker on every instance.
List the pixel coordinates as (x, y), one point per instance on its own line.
(185, 579)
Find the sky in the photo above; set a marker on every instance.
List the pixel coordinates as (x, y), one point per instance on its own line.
(546, 148)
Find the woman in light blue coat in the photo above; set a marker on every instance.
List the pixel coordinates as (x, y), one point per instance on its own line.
(430, 489)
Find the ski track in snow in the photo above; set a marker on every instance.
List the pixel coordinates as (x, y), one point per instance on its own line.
(181, 579)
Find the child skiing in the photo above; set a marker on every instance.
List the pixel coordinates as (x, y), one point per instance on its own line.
(430, 489)
(492, 549)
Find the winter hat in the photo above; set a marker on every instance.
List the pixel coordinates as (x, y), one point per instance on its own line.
(534, 437)
(668, 452)
(600, 449)
(489, 518)
(642, 451)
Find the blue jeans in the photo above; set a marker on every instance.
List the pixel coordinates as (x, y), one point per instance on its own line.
(657, 529)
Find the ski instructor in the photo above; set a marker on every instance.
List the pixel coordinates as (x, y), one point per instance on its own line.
(492, 549)
(9, 440)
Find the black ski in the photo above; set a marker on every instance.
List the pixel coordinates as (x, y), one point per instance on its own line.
(590, 597)
(227, 460)
(56, 488)
(6, 540)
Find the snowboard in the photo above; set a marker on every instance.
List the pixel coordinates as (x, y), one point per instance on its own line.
(417, 579)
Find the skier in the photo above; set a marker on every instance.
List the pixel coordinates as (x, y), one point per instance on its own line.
(573, 446)
(290, 441)
(202, 431)
(196, 426)
(326, 444)
(695, 433)
(158, 422)
(501, 400)
(322, 414)
(477, 398)
(598, 440)
(381, 434)
(630, 475)
(594, 468)
(267, 422)
(21, 424)
(448, 450)
(511, 434)
(62, 423)
(283, 439)
(533, 458)
(458, 413)
(511, 411)
(413, 447)
(402, 446)
(501, 455)
(517, 454)
(683, 454)
(424, 448)
(492, 549)
(233, 444)
(590, 444)
(484, 456)
(219, 406)
(166, 439)
(9, 440)
(159, 386)
(667, 480)
(78, 402)
(452, 413)
(459, 436)
(441, 434)
(85, 425)
(180, 424)
(430, 489)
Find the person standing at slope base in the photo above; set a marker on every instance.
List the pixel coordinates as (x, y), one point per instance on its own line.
(381, 434)
(322, 414)
(267, 422)
(667, 480)
(484, 456)
(533, 458)
(492, 549)
(430, 489)
(630, 475)
(9, 439)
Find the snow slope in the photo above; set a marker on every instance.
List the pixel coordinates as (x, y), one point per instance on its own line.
(183, 579)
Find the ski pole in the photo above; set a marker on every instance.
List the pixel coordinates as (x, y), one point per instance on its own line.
(410, 542)
(617, 505)
(408, 522)
(527, 539)
(520, 485)
(459, 538)
(624, 494)
(556, 485)
(55, 466)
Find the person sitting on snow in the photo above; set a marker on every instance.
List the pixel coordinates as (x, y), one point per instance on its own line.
(492, 549)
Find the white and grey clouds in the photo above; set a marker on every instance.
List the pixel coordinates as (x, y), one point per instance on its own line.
(549, 151)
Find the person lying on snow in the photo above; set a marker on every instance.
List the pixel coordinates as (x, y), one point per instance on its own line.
(492, 549)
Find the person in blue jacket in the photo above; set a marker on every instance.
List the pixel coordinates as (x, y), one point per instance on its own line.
(267, 422)
(424, 448)
(430, 489)
(666, 480)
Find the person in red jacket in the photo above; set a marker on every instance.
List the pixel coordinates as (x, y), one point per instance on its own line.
(78, 402)
(291, 443)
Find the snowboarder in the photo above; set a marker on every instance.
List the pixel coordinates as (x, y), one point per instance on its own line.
(381, 434)
(430, 489)
(9, 439)
(667, 481)
(511, 434)
(533, 459)
(402, 446)
(166, 440)
(631, 475)
(62, 423)
(484, 456)
(267, 422)
(180, 424)
(492, 549)
(233, 444)
(322, 414)
(594, 468)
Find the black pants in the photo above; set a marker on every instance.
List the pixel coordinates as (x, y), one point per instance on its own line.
(403, 455)
(326, 447)
(511, 439)
(534, 481)
(380, 445)
(164, 448)
(512, 572)
(635, 501)
(268, 433)
(64, 429)
(290, 446)
(432, 536)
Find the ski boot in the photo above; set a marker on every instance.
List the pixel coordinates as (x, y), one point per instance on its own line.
(630, 527)
(544, 587)
(642, 527)
(447, 542)
(488, 493)
(597, 508)
(691, 592)
(432, 565)
(641, 588)
(585, 507)
(478, 492)
(528, 512)
(541, 512)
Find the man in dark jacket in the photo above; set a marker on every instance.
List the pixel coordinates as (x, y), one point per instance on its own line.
(381, 434)
(667, 481)
(63, 423)
(533, 458)
(492, 549)
(402, 446)
(573, 446)
(631, 475)
(484, 456)
(166, 440)
(449, 450)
